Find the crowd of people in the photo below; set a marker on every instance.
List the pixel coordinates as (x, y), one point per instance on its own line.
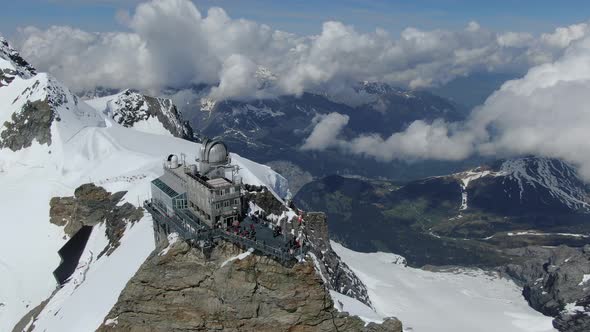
(247, 230)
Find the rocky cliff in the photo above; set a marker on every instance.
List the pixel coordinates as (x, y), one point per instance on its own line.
(556, 282)
(19, 65)
(178, 288)
(131, 108)
(336, 273)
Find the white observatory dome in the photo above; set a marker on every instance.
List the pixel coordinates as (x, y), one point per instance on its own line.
(217, 153)
(172, 161)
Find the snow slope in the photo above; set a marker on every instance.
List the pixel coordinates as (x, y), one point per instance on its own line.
(458, 301)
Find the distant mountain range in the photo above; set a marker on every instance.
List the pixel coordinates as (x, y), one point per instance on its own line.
(273, 130)
(512, 203)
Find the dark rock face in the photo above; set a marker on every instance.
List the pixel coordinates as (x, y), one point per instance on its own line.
(578, 321)
(6, 76)
(90, 206)
(23, 68)
(557, 283)
(338, 275)
(264, 199)
(33, 122)
(130, 107)
(180, 289)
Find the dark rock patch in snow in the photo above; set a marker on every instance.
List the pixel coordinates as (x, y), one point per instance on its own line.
(23, 68)
(90, 206)
(6, 76)
(33, 122)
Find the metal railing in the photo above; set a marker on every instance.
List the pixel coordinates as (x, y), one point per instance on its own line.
(281, 254)
(190, 227)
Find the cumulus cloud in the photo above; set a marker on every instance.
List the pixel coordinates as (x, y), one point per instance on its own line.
(544, 113)
(172, 44)
(438, 140)
(326, 131)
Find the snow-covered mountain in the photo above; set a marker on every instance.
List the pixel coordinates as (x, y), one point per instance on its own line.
(16, 64)
(523, 184)
(144, 113)
(512, 203)
(51, 142)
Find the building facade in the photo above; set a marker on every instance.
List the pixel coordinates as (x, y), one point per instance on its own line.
(210, 189)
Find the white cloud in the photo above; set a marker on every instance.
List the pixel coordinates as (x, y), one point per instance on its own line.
(420, 140)
(544, 113)
(563, 36)
(172, 44)
(326, 131)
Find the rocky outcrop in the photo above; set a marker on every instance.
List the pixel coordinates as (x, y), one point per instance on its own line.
(90, 206)
(21, 67)
(338, 275)
(556, 282)
(129, 107)
(37, 106)
(180, 289)
(262, 197)
(6, 76)
(33, 122)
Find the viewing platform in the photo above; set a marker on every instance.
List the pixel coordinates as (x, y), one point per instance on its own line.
(193, 230)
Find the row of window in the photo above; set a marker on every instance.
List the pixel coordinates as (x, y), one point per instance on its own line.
(228, 203)
(226, 191)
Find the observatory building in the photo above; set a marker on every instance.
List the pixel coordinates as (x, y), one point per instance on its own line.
(210, 189)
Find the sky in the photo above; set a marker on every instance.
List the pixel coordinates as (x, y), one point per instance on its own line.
(306, 17)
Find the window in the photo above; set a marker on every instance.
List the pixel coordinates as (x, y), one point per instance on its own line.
(227, 191)
(226, 203)
(236, 201)
(218, 206)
